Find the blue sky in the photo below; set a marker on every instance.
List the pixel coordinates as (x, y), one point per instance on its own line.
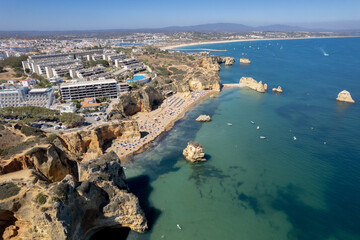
(112, 14)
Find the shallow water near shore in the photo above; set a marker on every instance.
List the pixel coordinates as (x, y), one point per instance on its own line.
(272, 188)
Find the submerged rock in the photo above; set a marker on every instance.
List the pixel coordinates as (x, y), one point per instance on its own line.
(203, 118)
(245, 61)
(278, 89)
(253, 84)
(194, 152)
(345, 96)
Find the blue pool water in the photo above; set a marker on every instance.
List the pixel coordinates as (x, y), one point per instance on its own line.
(137, 78)
(273, 188)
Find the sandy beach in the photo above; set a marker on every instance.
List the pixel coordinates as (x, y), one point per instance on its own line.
(172, 47)
(153, 124)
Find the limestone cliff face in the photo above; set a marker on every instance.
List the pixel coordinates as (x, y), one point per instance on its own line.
(209, 80)
(213, 62)
(93, 140)
(32, 207)
(49, 161)
(345, 96)
(143, 100)
(253, 84)
(205, 76)
(194, 152)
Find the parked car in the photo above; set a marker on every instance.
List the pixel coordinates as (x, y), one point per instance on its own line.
(97, 118)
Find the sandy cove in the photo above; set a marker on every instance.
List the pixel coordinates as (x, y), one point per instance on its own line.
(156, 122)
(174, 47)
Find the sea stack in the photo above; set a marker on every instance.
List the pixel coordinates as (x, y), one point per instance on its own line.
(245, 61)
(253, 84)
(228, 60)
(277, 90)
(194, 152)
(203, 118)
(345, 96)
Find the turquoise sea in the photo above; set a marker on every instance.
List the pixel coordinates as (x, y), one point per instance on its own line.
(273, 188)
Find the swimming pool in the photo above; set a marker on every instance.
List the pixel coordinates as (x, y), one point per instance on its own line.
(137, 78)
(141, 79)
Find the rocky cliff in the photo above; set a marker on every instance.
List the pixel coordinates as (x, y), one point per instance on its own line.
(345, 96)
(143, 100)
(213, 62)
(205, 76)
(50, 161)
(81, 142)
(57, 159)
(33, 207)
(253, 84)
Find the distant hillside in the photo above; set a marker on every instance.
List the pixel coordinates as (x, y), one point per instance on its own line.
(215, 27)
(233, 27)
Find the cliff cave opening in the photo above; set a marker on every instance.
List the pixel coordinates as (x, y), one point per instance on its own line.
(7, 219)
(111, 233)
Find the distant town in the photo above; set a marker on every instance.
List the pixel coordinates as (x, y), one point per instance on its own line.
(86, 75)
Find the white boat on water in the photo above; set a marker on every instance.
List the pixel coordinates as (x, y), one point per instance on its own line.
(229, 124)
(262, 137)
(252, 122)
(178, 226)
(257, 128)
(294, 138)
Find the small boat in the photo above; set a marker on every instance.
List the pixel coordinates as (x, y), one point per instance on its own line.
(262, 137)
(326, 54)
(229, 124)
(178, 226)
(294, 138)
(252, 122)
(257, 127)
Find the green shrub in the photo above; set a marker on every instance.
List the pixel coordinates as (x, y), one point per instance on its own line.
(41, 198)
(51, 138)
(30, 131)
(71, 119)
(8, 189)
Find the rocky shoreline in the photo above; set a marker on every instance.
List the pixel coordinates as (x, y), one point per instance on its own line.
(93, 196)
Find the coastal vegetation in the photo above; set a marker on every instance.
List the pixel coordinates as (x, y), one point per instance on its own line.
(33, 114)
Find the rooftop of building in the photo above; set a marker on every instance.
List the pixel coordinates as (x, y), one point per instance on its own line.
(40, 90)
(85, 83)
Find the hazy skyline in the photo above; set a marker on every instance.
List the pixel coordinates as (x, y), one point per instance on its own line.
(92, 15)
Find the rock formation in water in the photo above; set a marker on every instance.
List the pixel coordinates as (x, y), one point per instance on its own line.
(213, 62)
(33, 207)
(203, 118)
(345, 96)
(278, 89)
(253, 84)
(194, 152)
(245, 61)
(228, 60)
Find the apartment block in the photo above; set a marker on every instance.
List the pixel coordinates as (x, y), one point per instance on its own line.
(89, 89)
